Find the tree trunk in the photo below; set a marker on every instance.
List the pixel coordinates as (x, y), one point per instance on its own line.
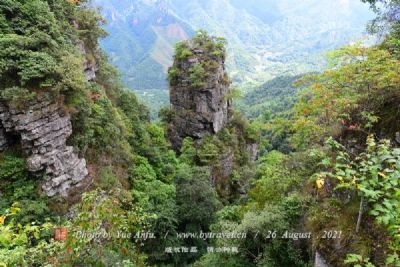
(360, 212)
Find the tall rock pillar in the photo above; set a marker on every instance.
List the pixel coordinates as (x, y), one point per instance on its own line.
(199, 88)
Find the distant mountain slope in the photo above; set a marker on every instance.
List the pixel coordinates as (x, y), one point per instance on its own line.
(142, 34)
(267, 38)
(272, 97)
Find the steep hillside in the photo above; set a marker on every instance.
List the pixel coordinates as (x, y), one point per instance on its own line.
(87, 180)
(275, 96)
(142, 35)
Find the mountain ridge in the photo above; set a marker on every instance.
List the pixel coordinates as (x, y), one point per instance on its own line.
(275, 38)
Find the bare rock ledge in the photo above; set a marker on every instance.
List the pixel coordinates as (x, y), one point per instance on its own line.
(43, 128)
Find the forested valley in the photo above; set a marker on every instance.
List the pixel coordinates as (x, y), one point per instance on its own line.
(303, 170)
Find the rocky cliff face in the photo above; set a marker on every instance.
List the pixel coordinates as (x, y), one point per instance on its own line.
(89, 66)
(199, 86)
(42, 126)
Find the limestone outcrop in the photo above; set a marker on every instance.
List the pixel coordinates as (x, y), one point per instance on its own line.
(201, 108)
(90, 67)
(199, 86)
(42, 127)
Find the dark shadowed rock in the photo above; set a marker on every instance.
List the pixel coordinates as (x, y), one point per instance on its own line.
(3, 138)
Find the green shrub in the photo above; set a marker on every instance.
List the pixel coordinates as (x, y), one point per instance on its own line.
(108, 213)
(197, 76)
(182, 50)
(173, 74)
(25, 244)
(166, 115)
(107, 180)
(374, 175)
(209, 152)
(12, 168)
(212, 44)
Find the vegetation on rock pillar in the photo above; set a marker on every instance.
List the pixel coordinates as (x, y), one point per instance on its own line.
(337, 168)
(198, 89)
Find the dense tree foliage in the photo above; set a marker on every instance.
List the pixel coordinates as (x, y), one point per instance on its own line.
(327, 163)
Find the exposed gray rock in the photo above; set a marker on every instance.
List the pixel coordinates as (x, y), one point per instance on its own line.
(199, 110)
(43, 127)
(319, 260)
(226, 164)
(253, 151)
(89, 67)
(397, 137)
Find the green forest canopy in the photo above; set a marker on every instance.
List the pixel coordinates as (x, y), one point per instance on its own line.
(329, 163)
